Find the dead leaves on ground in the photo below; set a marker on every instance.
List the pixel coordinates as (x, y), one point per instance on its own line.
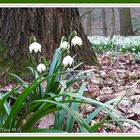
(111, 80)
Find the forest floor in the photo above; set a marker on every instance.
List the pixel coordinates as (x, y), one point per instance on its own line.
(116, 76)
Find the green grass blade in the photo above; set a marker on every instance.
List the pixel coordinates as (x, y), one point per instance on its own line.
(36, 116)
(75, 114)
(5, 105)
(54, 68)
(91, 101)
(5, 96)
(59, 119)
(20, 81)
(4, 111)
(40, 89)
(59, 116)
(93, 114)
(128, 121)
(10, 122)
(32, 107)
(74, 106)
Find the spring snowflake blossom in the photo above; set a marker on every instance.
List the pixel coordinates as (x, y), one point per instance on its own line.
(36, 47)
(76, 41)
(68, 60)
(41, 67)
(64, 45)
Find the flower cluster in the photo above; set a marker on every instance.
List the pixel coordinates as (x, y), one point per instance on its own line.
(75, 41)
(64, 45)
(36, 47)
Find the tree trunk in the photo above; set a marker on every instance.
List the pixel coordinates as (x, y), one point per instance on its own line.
(125, 22)
(104, 22)
(89, 23)
(112, 23)
(48, 25)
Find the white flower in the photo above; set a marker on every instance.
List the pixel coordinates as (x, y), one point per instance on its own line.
(64, 45)
(133, 49)
(119, 41)
(41, 67)
(76, 41)
(68, 60)
(120, 49)
(35, 47)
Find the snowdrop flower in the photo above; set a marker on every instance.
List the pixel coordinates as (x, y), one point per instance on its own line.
(76, 41)
(68, 60)
(35, 47)
(64, 45)
(133, 49)
(41, 67)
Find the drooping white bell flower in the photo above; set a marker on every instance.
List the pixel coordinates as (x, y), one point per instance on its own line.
(36, 47)
(41, 67)
(68, 60)
(64, 45)
(76, 41)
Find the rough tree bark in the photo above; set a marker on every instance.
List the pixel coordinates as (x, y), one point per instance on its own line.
(47, 24)
(125, 22)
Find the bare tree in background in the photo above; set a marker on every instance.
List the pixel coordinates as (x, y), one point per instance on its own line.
(89, 23)
(112, 23)
(104, 22)
(125, 22)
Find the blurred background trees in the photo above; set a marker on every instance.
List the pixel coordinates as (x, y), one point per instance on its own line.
(111, 21)
(125, 22)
